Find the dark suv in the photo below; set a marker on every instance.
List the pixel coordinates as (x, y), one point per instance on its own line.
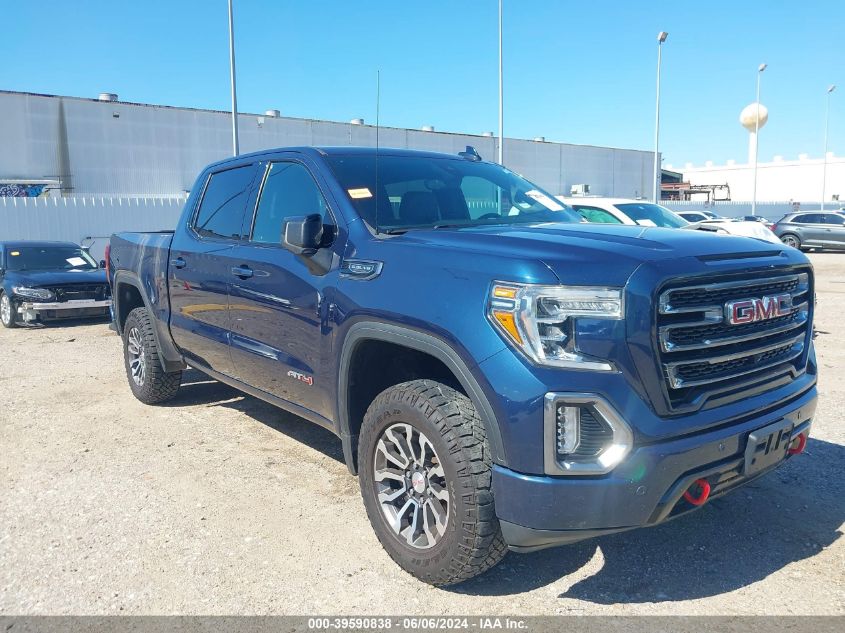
(812, 229)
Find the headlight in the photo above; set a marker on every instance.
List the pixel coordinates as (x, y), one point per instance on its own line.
(32, 293)
(540, 320)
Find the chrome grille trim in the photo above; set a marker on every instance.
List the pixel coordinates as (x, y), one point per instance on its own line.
(702, 355)
(799, 313)
(665, 305)
(796, 345)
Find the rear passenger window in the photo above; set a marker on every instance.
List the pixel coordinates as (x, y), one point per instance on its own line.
(809, 218)
(288, 191)
(221, 212)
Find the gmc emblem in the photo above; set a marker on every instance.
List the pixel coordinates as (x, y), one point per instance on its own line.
(754, 310)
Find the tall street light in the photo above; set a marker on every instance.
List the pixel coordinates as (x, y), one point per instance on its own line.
(760, 70)
(235, 144)
(501, 91)
(661, 37)
(826, 125)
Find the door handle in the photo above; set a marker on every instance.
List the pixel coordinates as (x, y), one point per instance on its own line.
(243, 271)
(178, 262)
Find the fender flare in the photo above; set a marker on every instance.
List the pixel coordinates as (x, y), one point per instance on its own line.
(170, 357)
(420, 341)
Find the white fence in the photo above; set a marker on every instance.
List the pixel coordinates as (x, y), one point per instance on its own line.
(772, 210)
(85, 220)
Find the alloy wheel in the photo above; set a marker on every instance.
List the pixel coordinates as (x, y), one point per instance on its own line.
(410, 486)
(5, 309)
(137, 356)
(789, 241)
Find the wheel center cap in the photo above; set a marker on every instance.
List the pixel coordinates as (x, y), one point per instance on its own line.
(418, 482)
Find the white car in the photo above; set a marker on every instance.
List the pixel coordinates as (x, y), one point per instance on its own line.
(698, 216)
(644, 213)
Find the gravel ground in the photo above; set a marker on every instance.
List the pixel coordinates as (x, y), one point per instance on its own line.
(221, 504)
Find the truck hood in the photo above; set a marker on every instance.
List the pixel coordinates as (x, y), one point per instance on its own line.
(589, 253)
(43, 278)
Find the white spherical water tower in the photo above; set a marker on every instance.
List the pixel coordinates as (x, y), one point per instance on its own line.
(749, 119)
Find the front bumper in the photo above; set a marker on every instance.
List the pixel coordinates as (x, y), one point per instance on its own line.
(646, 489)
(32, 310)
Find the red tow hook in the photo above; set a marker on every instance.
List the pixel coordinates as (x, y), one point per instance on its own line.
(703, 494)
(802, 444)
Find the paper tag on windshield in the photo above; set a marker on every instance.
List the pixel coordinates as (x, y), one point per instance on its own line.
(357, 194)
(15, 253)
(543, 199)
(646, 223)
(75, 261)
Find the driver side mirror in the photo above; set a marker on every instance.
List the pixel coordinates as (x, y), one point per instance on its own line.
(302, 235)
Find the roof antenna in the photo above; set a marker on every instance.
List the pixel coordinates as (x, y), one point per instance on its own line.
(378, 100)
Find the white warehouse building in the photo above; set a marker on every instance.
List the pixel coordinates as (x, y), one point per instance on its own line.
(778, 180)
(69, 146)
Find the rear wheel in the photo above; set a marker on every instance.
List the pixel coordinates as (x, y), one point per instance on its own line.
(147, 378)
(790, 239)
(426, 477)
(7, 311)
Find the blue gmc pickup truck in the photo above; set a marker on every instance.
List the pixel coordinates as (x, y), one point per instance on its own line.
(500, 375)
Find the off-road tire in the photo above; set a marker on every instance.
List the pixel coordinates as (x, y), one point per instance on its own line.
(157, 385)
(787, 237)
(11, 322)
(472, 542)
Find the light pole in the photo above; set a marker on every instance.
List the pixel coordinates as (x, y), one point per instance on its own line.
(661, 37)
(235, 144)
(760, 70)
(501, 91)
(826, 125)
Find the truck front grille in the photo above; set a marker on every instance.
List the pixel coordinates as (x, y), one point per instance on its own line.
(701, 353)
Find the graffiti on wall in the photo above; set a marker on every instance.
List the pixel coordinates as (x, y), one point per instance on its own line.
(17, 190)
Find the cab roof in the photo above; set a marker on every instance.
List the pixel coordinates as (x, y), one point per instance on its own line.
(340, 151)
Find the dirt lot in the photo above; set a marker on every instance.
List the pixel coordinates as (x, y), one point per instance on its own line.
(221, 504)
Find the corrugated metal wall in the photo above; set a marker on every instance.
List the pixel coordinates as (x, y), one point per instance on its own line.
(141, 150)
(87, 220)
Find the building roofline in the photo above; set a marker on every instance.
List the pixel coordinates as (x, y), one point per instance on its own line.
(253, 114)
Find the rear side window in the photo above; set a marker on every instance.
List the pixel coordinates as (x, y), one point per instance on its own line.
(221, 212)
(808, 218)
(289, 190)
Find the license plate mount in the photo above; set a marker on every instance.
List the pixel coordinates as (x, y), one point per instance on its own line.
(767, 446)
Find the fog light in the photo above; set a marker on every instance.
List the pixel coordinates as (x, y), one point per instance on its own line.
(568, 429)
(583, 435)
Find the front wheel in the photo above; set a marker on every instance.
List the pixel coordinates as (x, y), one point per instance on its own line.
(426, 475)
(7, 311)
(791, 240)
(147, 378)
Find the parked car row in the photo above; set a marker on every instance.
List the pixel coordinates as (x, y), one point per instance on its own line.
(50, 281)
(806, 230)
(643, 213)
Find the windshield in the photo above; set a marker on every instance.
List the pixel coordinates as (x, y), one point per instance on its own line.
(426, 192)
(647, 214)
(49, 258)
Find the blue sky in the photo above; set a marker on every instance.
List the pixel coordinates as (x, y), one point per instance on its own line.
(580, 72)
